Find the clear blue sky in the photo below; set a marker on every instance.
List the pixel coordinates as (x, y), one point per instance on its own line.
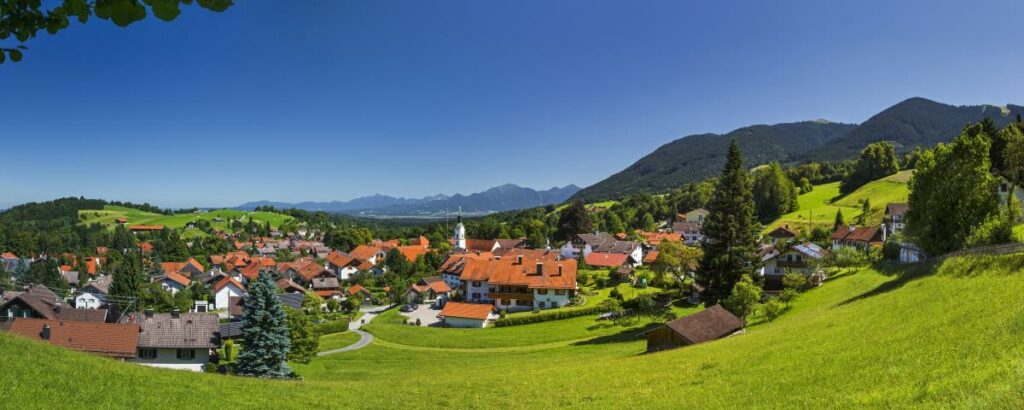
(329, 99)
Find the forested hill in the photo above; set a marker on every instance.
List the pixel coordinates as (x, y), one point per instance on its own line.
(916, 122)
(698, 157)
(911, 123)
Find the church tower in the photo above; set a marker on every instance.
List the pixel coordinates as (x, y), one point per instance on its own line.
(460, 233)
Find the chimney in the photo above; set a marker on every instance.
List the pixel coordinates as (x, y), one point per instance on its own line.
(519, 260)
(149, 313)
(175, 313)
(56, 306)
(540, 268)
(559, 269)
(45, 334)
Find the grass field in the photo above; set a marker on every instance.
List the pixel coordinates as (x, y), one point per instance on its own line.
(819, 207)
(934, 336)
(110, 214)
(338, 340)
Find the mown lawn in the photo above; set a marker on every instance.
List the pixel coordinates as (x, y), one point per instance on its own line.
(930, 337)
(338, 340)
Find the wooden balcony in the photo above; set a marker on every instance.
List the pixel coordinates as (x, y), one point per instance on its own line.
(791, 264)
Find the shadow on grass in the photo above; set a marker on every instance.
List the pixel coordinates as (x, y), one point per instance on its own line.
(626, 335)
(903, 274)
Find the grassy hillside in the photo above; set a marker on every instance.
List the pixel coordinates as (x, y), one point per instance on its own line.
(819, 206)
(111, 213)
(950, 335)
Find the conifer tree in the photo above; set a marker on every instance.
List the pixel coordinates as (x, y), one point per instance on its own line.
(128, 278)
(264, 333)
(730, 230)
(840, 221)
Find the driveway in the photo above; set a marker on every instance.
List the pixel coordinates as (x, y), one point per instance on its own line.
(369, 312)
(426, 315)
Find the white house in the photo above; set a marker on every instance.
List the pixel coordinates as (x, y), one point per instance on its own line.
(94, 294)
(173, 282)
(518, 284)
(177, 340)
(895, 217)
(224, 290)
(456, 314)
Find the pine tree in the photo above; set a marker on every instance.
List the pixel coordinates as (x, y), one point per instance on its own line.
(128, 278)
(264, 333)
(840, 221)
(730, 231)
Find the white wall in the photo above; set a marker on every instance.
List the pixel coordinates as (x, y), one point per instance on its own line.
(168, 358)
(221, 299)
(88, 301)
(482, 290)
(463, 322)
(550, 298)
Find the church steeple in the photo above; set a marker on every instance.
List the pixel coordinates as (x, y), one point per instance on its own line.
(460, 233)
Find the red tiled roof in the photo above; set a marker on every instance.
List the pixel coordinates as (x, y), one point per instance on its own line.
(364, 252)
(226, 281)
(250, 271)
(327, 293)
(554, 275)
(288, 284)
(65, 268)
(176, 277)
(339, 259)
(467, 310)
(145, 247)
(655, 238)
(606, 260)
(106, 339)
(311, 270)
(102, 250)
(858, 234)
(352, 290)
(411, 252)
(651, 256)
(9, 255)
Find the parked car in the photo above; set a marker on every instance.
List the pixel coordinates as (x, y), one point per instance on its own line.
(407, 308)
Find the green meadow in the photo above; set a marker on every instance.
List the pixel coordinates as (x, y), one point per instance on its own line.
(819, 207)
(110, 213)
(934, 336)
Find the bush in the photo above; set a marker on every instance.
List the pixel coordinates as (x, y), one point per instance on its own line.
(550, 315)
(772, 309)
(334, 326)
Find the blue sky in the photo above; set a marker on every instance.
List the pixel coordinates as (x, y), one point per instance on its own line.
(328, 99)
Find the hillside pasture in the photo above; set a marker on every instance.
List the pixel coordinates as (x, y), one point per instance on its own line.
(110, 213)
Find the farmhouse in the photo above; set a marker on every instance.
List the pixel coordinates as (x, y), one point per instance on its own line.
(358, 291)
(173, 282)
(895, 217)
(712, 323)
(342, 265)
(224, 290)
(858, 237)
(427, 289)
(801, 258)
(692, 232)
(327, 288)
(519, 284)
(177, 340)
(456, 314)
(584, 244)
(782, 236)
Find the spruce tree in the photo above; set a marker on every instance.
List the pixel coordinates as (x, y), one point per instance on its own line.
(840, 221)
(730, 230)
(128, 279)
(264, 333)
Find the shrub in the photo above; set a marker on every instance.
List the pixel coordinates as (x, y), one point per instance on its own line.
(418, 322)
(334, 326)
(551, 315)
(772, 309)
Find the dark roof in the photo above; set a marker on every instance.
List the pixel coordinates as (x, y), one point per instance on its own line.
(231, 330)
(687, 227)
(325, 283)
(896, 208)
(292, 300)
(854, 233)
(236, 305)
(782, 232)
(605, 242)
(709, 324)
(188, 330)
(100, 286)
(107, 339)
(48, 305)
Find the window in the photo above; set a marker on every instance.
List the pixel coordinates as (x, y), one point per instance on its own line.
(147, 354)
(559, 291)
(541, 304)
(476, 296)
(523, 303)
(477, 284)
(186, 354)
(542, 291)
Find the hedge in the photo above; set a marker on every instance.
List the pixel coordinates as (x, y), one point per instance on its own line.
(548, 316)
(334, 326)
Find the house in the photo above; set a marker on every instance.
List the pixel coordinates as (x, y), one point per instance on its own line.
(173, 282)
(858, 237)
(310, 271)
(1004, 188)
(608, 260)
(411, 252)
(584, 244)
(709, 324)
(910, 253)
(357, 290)
(624, 273)
(456, 314)
(650, 257)
(41, 303)
(372, 254)
(186, 269)
(94, 294)
(224, 290)
(176, 340)
(9, 261)
(289, 286)
(113, 340)
(145, 247)
(451, 268)
(691, 232)
(71, 277)
(518, 283)
(427, 289)
(802, 258)
(895, 217)
(653, 239)
(342, 265)
(327, 288)
(697, 215)
(782, 236)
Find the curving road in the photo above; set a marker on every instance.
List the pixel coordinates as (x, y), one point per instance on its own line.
(364, 338)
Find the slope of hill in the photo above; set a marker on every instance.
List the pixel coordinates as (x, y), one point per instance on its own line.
(908, 124)
(945, 336)
(110, 213)
(819, 207)
(698, 157)
(501, 198)
(912, 123)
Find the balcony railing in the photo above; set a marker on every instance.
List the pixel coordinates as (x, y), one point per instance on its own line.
(510, 296)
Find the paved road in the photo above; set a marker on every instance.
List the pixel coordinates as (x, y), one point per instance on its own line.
(364, 338)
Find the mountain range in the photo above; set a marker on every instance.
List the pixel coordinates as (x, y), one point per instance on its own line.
(911, 123)
(501, 198)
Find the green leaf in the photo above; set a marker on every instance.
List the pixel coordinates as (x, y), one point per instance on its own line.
(165, 10)
(121, 12)
(15, 55)
(2, 56)
(216, 5)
